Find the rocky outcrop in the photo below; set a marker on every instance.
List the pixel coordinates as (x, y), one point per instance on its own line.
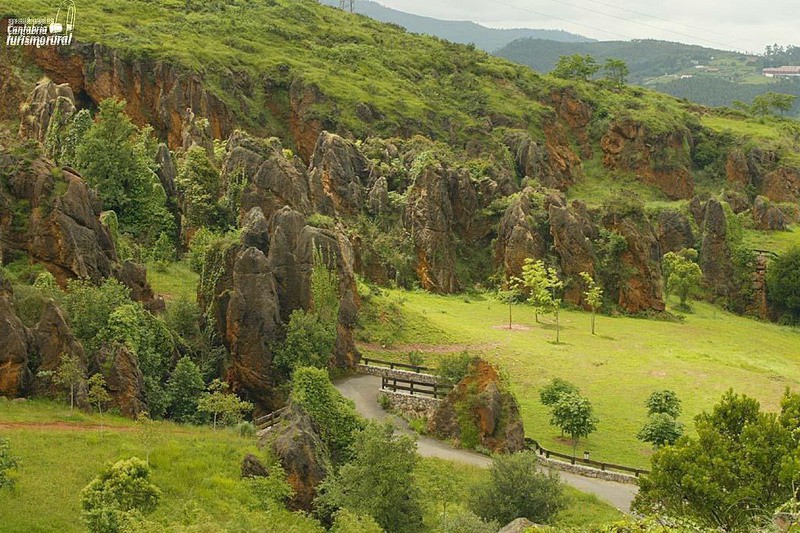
(342, 171)
(674, 232)
(715, 252)
(57, 222)
(378, 198)
(641, 289)
(782, 185)
(555, 165)
(157, 92)
(252, 286)
(766, 216)
(480, 407)
(738, 201)
(134, 277)
(764, 171)
(271, 180)
(50, 340)
(521, 233)
(429, 216)
(573, 247)
(658, 159)
(15, 377)
(48, 101)
(253, 467)
(302, 453)
(124, 381)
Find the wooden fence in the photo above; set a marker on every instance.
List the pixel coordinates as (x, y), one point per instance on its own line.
(269, 420)
(415, 388)
(532, 445)
(419, 369)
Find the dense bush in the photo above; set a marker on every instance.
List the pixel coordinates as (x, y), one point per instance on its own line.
(333, 414)
(517, 488)
(378, 481)
(199, 183)
(783, 282)
(309, 342)
(89, 307)
(553, 391)
(453, 368)
(115, 158)
(119, 489)
(185, 387)
(7, 463)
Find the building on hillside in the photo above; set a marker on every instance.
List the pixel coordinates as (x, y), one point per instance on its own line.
(782, 72)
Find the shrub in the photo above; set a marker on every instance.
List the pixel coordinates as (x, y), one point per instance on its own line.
(664, 401)
(516, 488)
(271, 491)
(223, 405)
(661, 429)
(467, 522)
(89, 307)
(783, 282)
(199, 183)
(334, 414)
(184, 387)
(120, 488)
(454, 368)
(200, 243)
(309, 342)
(379, 481)
(346, 521)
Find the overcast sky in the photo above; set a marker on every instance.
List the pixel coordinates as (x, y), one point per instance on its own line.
(730, 24)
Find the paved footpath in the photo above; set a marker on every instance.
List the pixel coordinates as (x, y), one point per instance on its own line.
(363, 390)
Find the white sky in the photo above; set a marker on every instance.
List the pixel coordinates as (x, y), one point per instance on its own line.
(729, 24)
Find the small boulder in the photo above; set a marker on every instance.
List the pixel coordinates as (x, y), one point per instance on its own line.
(253, 467)
(766, 216)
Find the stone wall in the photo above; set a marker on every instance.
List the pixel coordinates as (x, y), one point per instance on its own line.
(396, 373)
(410, 406)
(587, 471)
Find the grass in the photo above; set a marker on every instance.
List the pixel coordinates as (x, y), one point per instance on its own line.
(774, 241)
(196, 468)
(175, 282)
(699, 357)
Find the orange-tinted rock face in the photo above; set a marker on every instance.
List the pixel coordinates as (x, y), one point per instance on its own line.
(782, 185)
(660, 160)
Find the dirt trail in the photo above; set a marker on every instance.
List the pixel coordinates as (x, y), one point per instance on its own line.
(427, 348)
(62, 426)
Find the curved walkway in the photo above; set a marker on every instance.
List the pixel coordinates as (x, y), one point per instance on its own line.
(363, 390)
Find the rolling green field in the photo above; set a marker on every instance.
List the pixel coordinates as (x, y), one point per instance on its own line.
(699, 357)
(196, 468)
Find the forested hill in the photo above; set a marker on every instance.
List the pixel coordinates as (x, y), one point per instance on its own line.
(457, 31)
(704, 75)
(645, 58)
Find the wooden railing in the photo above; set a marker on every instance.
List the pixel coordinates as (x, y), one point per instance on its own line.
(269, 420)
(419, 369)
(415, 388)
(532, 445)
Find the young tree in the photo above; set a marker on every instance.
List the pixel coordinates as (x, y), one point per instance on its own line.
(510, 296)
(682, 275)
(118, 490)
(517, 488)
(148, 434)
(378, 481)
(553, 391)
(574, 414)
(70, 374)
(593, 294)
(576, 67)
(185, 386)
(664, 401)
(661, 429)
(222, 404)
(199, 183)
(7, 462)
(768, 103)
(98, 395)
(616, 71)
(544, 289)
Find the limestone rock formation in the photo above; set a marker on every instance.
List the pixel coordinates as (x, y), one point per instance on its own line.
(674, 232)
(15, 377)
(641, 290)
(782, 185)
(658, 159)
(124, 380)
(46, 102)
(134, 277)
(298, 446)
(554, 165)
(378, 198)
(766, 216)
(573, 247)
(492, 412)
(715, 252)
(253, 467)
(521, 233)
(50, 340)
(342, 171)
(429, 216)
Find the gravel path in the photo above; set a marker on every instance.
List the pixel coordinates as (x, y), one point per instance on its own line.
(363, 390)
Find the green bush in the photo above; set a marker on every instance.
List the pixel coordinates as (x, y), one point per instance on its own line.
(553, 391)
(333, 414)
(199, 183)
(467, 522)
(517, 488)
(346, 521)
(185, 387)
(120, 488)
(309, 342)
(783, 282)
(454, 368)
(7, 463)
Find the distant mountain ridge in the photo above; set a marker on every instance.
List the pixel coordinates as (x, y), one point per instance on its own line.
(457, 31)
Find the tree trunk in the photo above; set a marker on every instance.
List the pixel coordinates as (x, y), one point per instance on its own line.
(558, 330)
(215, 420)
(592, 321)
(509, 316)
(71, 396)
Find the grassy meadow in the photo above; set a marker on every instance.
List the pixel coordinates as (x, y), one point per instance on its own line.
(196, 468)
(700, 357)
